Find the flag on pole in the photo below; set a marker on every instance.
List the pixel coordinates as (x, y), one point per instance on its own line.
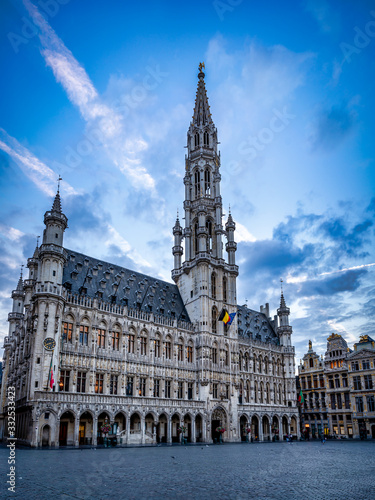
(232, 316)
(224, 316)
(301, 399)
(50, 375)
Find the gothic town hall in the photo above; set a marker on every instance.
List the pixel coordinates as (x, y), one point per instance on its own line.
(98, 352)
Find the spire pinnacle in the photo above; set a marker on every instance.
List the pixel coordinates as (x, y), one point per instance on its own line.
(20, 281)
(202, 115)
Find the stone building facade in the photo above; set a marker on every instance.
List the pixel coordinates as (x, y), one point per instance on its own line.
(91, 343)
(339, 391)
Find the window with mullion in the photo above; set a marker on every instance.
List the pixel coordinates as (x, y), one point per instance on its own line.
(101, 337)
(81, 382)
(67, 332)
(115, 340)
(83, 334)
(99, 382)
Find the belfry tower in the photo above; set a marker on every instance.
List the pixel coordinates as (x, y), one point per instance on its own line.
(207, 283)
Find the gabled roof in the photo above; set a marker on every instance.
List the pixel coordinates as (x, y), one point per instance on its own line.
(367, 351)
(115, 284)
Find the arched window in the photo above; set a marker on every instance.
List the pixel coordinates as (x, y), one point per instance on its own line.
(168, 348)
(266, 366)
(157, 342)
(268, 394)
(213, 285)
(180, 349)
(280, 395)
(209, 235)
(84, 332)
(261, 393)
(273, 366)
(196, 140)
(116, 338)
(256, 391)
(240, 361)
(143, 343)
(246, 363)
(101, 335)
(68, 330)
(213, 320)
(196, 247)
(189, 352)
(311, 363)
(206, 139)
(224, 289)
(207, 182)
(197, 181)
(260, 364)
(226, 356)
(214, 354)
(248, 391)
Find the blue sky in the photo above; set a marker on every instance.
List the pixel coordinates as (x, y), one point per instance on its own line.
(103, 93)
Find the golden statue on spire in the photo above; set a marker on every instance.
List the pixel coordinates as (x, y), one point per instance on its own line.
(201, 66)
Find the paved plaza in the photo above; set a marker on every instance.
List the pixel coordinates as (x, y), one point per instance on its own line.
(301, 470)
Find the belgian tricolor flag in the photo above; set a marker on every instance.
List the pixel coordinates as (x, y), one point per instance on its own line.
(224, 316)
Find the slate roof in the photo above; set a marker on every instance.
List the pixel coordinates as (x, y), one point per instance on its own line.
(117, 285)
(255, 325)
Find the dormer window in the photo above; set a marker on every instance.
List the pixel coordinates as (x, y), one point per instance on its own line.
(196, 140)
(206, 139)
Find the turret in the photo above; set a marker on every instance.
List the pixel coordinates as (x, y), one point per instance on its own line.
(177, 249)
(231, 245)
(284, 330)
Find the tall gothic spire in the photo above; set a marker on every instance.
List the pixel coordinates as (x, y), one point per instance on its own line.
(202, 116)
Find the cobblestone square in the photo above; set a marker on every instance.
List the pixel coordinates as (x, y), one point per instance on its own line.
(301, 470)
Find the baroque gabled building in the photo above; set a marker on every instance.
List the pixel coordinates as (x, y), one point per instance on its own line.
(339, 392)
(91, 343)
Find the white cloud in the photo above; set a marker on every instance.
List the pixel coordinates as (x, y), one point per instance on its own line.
(37, 171)
(118, 144)
(11, 233)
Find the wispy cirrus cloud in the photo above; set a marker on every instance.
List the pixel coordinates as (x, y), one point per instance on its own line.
(37, 171)
(123, 149)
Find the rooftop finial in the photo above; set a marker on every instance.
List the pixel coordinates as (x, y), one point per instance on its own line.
(58, 183)
(37, 241)
(281, 285)
(22, 266)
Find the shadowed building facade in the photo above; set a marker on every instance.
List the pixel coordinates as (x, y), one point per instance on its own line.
(91, 343)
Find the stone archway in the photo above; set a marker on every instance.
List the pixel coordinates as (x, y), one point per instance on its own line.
(187, 424)
(85, 430)
(243, 428)
(293, 427)
(285, 426)
(66, 430)
(198, 429)
(175, 425)
(275, 428)
(255, 428)
(266, 428)
(149, 428)
(102, 419)
(46, 436)
(162, 429)
(218, 419)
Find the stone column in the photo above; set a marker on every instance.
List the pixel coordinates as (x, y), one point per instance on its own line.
(193, 437)
(95, 430)
(260, 426)
(205, 438)
(128, 429)
(142, 429)
(34, 441)
(169, 430)
(76, 432)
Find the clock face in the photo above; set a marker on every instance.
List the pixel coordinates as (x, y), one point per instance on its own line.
(49, 343)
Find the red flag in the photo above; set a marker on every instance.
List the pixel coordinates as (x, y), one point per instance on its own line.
(51, 382)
